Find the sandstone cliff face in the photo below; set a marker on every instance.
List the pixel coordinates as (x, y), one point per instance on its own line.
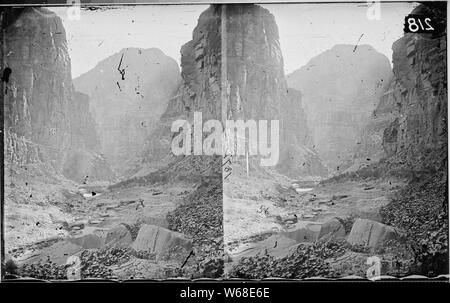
(257, 88)
(45, 120)
(341, 87)
(129, 92)
(369, 146)
(254, 64)
(409, 125)
(201, 71)
(199, 92)
(299, 158)
(418, 132)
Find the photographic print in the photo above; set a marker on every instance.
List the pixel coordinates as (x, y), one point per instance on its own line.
(154, 141)
(360, 185)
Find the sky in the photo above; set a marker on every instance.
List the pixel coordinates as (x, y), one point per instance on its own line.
(306, 30)
(100, 34)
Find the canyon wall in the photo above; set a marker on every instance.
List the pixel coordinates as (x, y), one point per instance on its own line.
(341, 87)
(369, 146)
(129, 92)
(299, 157)
(199, 92)
(257, 87)
(408, 128)
(418, 133)
(45, 121)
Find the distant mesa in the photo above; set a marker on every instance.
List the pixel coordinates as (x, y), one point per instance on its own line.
(341, 87)
(129, 91)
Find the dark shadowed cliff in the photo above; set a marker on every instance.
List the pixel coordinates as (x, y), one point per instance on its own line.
(418, 133)
(257, 88)
(199, 92)
(408, 128)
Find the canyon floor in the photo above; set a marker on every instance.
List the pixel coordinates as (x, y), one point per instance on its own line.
(45, 218)
(265, 214)
(265, 219)
(249, 217)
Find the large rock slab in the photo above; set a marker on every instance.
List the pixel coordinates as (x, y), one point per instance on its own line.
(277, 246)
(162, 222)
(89, 241)
(308, 231)
(370, 233)
(118, 235)
(332, 229)
(57, 253)
(284, 243)
(304, 231)
(164, 243)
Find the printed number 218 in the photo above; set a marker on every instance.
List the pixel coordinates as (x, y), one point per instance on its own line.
(415, 24)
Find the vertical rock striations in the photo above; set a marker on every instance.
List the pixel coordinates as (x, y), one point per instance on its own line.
(199, 92)
(408, 128)
(418, 133)
(257, 88)
(254, 63)
(45, 120)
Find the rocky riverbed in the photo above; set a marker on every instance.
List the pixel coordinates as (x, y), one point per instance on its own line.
(94, 220)
(273, 226)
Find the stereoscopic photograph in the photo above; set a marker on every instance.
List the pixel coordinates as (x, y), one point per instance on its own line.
(224, 141)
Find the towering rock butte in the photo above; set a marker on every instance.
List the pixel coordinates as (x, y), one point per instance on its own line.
(410, 121)
(129, 92)
(257, 88)
(45, 120)
(198, 92)
(420, 94)
(341, 87)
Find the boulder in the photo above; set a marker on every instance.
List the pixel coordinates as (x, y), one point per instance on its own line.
(332, 229)
(89, 241)
(162, 222)
(372, 234)
(277, 246)
(57, 253)
(118, 235)
(164, 243)
(304, 231)
(307, 231)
